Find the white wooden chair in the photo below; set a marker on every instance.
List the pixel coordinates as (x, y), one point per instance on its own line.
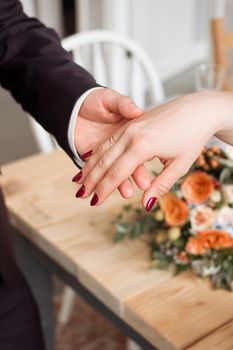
(117, 62)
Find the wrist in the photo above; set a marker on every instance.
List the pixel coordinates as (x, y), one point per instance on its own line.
(223, 115)
(215, 111)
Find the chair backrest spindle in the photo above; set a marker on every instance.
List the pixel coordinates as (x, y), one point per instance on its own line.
(137, 94)
(99, 66)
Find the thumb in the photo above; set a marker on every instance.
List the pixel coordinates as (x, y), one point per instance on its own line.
(163, 183)
(124, 106)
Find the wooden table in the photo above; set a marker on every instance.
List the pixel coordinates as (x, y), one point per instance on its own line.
(156, 309)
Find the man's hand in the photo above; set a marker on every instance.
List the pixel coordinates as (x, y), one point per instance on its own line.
(102, 113)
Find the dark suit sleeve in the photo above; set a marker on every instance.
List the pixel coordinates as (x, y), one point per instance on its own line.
(40, 75)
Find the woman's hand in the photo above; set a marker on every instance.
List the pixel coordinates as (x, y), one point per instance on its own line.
(175, 133)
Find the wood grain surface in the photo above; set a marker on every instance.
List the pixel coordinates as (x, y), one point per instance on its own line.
(181, 312)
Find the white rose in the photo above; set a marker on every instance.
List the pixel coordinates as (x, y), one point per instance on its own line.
(228, 190)
(229, 151)
(225, 217)
(216, 196)
(202, 218)
(211, 270)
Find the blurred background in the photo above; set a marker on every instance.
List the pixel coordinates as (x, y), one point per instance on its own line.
(175, 34)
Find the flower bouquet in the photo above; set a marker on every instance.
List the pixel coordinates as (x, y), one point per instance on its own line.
(191, 227)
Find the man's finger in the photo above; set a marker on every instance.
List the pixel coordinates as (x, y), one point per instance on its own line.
(126, 189)
(122, 105)
(128, 109)
(142, 178)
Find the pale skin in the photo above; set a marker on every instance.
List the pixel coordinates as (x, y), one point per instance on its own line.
(175, 133)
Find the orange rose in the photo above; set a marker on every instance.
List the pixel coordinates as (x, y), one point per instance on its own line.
(206, 240)
(175, 210)
(182, 257)
(197, 187)
(195, 246)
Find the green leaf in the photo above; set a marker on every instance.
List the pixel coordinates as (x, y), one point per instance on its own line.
(161, 264)
(138, 211)
(137, 230)
(124, 228)
(181, 268)
(226, 162)
(118, 237)
(158, 255)
(154, 173)
(127, 207)
(226, 176)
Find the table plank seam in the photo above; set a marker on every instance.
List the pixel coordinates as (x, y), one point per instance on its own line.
(195, 342)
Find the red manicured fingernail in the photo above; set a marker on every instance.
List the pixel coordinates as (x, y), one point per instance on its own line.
(94, 200)
(150, 203)
(80, 192)
(77, 177)
(87, 154)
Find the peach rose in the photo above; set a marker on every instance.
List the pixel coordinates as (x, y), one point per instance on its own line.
(197, 187)
(182, 258)
(228, 191)
(175, 210)
(225, 216)
(206, 240)
(202, 218)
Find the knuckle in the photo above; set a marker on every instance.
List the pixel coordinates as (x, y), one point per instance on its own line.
(102, 162)
(101, 189)
(141, 147)
(99, 150)
(112, 174)
(146, 146)
(162, 188)
(89, 181)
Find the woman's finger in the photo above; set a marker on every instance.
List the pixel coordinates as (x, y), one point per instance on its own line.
(163, 183)
(126, 188)
(141, 178)
(92, 158)
(98, 165)
(120, 170)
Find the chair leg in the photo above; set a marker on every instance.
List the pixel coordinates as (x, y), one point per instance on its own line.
(67, 305)
(131, 345)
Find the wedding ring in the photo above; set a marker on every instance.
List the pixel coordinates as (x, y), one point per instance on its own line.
(112, 141)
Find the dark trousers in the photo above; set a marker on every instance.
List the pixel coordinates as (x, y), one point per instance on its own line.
(20, 327)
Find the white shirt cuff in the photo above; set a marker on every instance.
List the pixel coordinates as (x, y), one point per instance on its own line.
(72, 123)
